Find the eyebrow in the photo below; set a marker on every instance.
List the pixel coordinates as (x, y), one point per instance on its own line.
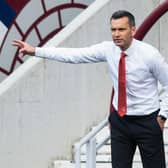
(118, 28)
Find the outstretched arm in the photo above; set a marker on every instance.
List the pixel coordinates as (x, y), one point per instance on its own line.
(92, 54)
(24, 48)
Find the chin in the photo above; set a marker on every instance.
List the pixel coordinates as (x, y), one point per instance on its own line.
(119, 45)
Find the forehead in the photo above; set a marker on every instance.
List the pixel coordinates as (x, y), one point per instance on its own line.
(120, 22)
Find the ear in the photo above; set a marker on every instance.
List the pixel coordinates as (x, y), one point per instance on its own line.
(133, 31)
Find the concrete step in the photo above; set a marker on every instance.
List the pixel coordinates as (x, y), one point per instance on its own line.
(68, 164)
(106, 157)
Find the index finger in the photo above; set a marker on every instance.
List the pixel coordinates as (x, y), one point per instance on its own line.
(18, 43)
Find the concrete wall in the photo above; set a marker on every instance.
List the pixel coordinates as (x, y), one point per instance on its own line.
(46, 106)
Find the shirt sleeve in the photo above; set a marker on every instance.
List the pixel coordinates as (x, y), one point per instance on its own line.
(92, 54)
(160, 72)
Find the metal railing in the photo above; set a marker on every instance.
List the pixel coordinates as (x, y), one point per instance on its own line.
(91, 146)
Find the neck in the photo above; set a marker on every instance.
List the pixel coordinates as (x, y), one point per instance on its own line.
(124, 48)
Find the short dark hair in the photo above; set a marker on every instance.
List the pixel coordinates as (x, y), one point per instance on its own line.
(123, 13)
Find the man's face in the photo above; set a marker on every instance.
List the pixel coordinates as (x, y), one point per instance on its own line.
(122, 32)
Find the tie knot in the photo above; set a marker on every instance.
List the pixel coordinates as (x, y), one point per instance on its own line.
(123, 54)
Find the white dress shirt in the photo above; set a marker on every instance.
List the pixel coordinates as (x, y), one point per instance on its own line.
(145, 67)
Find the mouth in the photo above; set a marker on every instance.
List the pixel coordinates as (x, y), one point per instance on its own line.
(118, 41)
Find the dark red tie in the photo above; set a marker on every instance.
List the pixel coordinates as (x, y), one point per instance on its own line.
(122, 99)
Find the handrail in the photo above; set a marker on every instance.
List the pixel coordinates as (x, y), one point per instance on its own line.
(100, 144)
(92, 148)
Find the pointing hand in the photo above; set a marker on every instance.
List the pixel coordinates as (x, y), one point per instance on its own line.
(24, 48)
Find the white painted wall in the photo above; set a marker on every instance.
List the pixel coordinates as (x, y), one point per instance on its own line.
(46, 106)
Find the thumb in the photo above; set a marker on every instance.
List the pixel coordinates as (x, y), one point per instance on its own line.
(22, 51)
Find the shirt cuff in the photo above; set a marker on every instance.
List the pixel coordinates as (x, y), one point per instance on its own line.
(37, 52)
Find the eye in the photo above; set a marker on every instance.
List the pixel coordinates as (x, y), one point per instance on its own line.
(112, 29)
(122, 29)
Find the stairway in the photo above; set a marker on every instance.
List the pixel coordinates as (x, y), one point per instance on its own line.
(103, 157)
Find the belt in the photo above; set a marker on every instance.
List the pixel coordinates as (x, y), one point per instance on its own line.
(155, 113)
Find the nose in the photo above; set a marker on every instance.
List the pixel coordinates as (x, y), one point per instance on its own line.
(116, 33)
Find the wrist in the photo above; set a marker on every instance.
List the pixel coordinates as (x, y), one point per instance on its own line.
(32, 51)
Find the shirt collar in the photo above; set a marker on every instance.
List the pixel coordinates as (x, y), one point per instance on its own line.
(129, 51)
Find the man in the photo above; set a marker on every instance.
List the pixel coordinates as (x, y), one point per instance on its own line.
(135, 68)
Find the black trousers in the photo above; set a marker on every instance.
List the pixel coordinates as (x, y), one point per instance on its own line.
(128, 132)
